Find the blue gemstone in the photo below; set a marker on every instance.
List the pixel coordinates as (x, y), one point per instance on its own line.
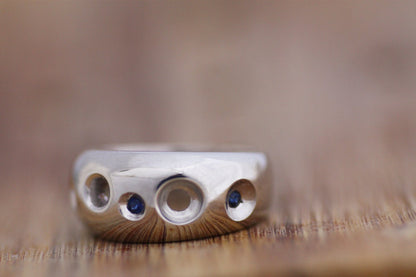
(234, 199)
(135, 205)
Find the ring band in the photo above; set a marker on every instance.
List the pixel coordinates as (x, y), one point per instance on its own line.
(161, 194)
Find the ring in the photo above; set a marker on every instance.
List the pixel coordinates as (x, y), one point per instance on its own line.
(162, 193)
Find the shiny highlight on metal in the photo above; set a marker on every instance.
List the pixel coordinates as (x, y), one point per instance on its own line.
(142, 194)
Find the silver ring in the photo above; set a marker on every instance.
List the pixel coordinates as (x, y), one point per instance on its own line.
(161, 193)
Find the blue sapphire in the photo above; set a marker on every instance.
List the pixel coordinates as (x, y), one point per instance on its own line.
(234, 199)
(135, 205)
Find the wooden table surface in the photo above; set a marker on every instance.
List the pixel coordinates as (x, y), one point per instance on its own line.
(327, 90)
(367, 229)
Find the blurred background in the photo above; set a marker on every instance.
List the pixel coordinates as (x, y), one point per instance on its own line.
(327, 89)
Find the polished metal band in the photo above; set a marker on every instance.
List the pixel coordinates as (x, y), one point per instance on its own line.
(141, 194)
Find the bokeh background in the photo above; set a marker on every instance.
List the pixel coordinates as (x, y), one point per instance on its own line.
(326, 88)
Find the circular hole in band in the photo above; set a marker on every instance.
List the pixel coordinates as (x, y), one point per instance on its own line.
(241, 200)
(132, 206)
(98, 191)
(179, 200)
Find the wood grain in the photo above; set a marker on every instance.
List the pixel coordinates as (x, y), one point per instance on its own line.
(43, 237)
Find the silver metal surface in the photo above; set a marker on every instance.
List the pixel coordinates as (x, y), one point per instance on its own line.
(178, 194)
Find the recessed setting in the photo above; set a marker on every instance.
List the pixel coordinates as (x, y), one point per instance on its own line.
(98, 191)
(241, 200)
(179, 200)
(132, 206)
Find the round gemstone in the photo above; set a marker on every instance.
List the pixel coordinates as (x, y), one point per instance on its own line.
(234, 199)
(135, 205)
